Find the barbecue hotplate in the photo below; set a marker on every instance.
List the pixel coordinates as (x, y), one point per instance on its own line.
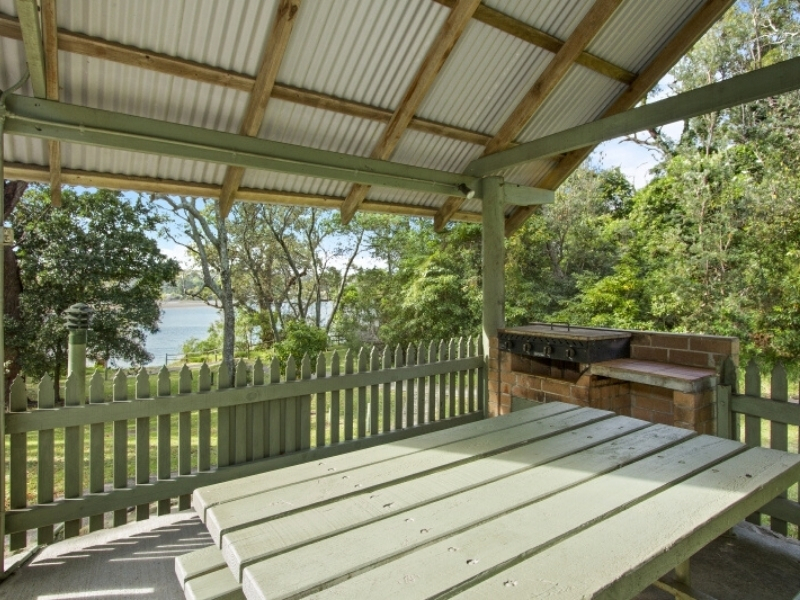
(564, 342)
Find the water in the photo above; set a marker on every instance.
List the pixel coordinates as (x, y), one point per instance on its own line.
(179, 322)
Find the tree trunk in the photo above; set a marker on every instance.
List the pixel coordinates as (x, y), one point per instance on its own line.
(226, 297)
(12, 284)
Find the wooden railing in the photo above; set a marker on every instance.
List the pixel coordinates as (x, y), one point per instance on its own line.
(759, 421)
(264, 421)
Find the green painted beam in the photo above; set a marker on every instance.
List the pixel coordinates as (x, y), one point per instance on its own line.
(70, 123)
(769, 81)
(520, 195)
(30, 24)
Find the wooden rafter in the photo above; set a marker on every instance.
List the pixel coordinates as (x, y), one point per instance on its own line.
(680, 44)
(537, 37)
(84, 45)
(50, 42)
(553, 74)
(31, 36)
(271, 60)
(112, 181)
(446, 39)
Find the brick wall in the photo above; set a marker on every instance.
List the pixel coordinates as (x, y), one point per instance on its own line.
(689, 349)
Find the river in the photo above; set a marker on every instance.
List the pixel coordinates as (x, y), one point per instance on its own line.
(179, 322)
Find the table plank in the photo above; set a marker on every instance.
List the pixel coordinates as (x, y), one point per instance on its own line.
(343, 566)
(218, 585)
(690, 515)
(212, 495)
(438, 567)
(597, 448)
(251, 510)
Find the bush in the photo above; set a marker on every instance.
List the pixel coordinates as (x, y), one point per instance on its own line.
(300, 338)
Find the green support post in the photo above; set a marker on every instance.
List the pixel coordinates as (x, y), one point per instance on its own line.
(493, 259)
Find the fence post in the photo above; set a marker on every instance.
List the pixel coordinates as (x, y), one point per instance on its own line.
(725, 388)
(78, 317)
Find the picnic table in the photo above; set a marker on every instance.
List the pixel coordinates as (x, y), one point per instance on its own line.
(554, 501)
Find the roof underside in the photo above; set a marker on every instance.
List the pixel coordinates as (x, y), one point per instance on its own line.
(345, 70)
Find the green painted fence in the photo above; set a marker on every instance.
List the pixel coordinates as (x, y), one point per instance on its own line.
(100, 447)
(772, 422)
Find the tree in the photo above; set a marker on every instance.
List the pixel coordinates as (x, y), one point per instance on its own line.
(12, 284)
(205, 236)
(96, 250)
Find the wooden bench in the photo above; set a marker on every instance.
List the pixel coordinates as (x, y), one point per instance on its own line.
(502, 506)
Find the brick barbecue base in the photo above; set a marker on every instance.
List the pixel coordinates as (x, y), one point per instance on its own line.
(680, 391)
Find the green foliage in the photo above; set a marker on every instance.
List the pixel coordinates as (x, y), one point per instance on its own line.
(96, 250)
(300, 338)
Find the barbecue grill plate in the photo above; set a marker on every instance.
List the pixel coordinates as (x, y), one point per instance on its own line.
(563, 342)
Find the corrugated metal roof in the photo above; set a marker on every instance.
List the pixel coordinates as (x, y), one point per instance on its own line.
(638, 30)
(357, 50)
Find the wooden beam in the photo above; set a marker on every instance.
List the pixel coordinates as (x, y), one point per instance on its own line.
(37, 173)
(271, 60)
(84, 45)
(553, 74)
(50, 42)
(449, 34)
(537, 37)
(679, 45)
(773, 80)
(31, 34)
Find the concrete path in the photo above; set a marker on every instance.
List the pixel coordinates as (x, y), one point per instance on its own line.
(136, 561)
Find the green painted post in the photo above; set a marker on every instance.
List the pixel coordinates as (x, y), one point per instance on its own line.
(78, 318)
(493, 258)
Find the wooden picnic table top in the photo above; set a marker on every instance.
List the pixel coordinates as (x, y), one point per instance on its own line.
(556, 500)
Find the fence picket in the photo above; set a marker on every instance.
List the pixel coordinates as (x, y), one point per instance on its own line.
(242, 414)
(442, 352)
(451, 396)
(411, 360)
(275, 412)
(779, 432)
(362, 396)
(96, 449)
(290, 415)
(462, 376)
(45, 474)
(481, 375)
(185, 435)
(164, 433)
(421, 385)
(335, 416)
(471, 400)
(225, 435)
(120, 428)
(374, 395)
(304, 409)
(320, 403)
(18, 461)
(398, 390)
(259, 425)
(142, 441)
(204, 421)
(752, 425)
(73, 455)
(348, 398)
(386, 411)
(431, 405)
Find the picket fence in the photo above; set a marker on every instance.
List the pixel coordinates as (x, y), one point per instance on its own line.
(319, 408)
(759, 421)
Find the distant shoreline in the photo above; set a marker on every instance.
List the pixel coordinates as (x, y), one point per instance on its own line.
(183, 304)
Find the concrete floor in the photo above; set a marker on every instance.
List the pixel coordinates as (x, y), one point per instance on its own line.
(137, 562)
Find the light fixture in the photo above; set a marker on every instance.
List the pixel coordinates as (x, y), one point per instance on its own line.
(469, 194)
